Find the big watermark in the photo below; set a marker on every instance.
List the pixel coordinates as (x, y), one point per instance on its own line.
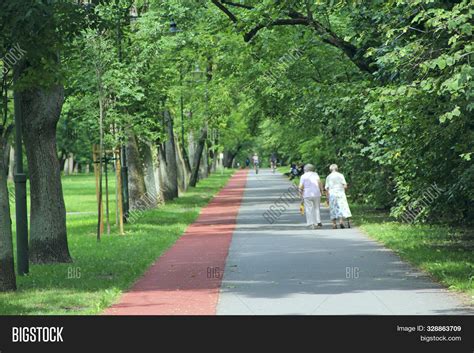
(281, 204)
(12, 58)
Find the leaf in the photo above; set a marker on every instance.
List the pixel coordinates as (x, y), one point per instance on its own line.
(441, 63)
(450, 115)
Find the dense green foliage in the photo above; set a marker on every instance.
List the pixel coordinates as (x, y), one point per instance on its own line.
(395, 129)
(383, 88)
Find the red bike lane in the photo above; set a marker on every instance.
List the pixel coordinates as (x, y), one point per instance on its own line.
(186, 279)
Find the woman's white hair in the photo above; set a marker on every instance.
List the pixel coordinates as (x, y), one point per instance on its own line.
(308, 168)
(333, 167)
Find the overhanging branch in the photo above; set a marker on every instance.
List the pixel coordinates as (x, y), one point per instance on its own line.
(282, 22)
(230, 3)
(225, 10)
(296, 18)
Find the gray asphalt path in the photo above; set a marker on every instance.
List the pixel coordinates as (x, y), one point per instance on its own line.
(285, 268)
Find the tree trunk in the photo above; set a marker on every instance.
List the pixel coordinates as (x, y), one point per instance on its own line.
(152, 187)
(41, 109)
(136, 176)
(62, 161)
(71, 164)
(192, 150)
(229, 157)
(204, 166)
(185, 158)
(184, 162)
(66, 167)
(157, 175)
(7, 270)
(167, 160)
(11, 163)
(213, 155)
(197, 157)
(184, 170)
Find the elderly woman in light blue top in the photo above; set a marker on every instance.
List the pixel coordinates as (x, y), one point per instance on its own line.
(336, 193)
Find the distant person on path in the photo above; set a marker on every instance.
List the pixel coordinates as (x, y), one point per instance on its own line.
(301, 170)
(293, 171)
(256, 162)
(273, 161)
(247, 162)
(311, 189)
(336, 193)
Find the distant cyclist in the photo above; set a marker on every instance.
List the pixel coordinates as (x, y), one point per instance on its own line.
(273, 161)
(256, 162)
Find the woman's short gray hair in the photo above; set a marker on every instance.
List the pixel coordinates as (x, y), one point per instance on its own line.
(333, 167)
(308, 168)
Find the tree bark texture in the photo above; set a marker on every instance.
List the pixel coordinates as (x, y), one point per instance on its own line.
(41, 109)
(167, 162)
(7, 270)
(136, 175)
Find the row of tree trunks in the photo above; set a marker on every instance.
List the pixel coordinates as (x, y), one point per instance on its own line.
(229, 157)
(9, 154)
(70, 167)
(164, 177)
(41, 110)
(7, 271)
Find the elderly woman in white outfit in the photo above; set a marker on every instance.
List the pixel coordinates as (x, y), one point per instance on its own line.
(311, 189)
(336, 193)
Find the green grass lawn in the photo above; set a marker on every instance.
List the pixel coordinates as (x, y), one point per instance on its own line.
(101, 271)
(447, 254)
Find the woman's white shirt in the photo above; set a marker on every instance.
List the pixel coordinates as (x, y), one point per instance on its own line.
(335, 182)
(310, 183)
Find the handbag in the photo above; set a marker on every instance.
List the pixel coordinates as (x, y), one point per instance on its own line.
(302, 208)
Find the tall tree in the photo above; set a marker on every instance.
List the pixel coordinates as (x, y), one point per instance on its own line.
(41, 109)
(40, 29)
(7, 271)
(168, 160)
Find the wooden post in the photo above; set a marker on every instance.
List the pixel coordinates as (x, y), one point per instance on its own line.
(116, 194)
(118, 172)
(95, 159)
(107, 213)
